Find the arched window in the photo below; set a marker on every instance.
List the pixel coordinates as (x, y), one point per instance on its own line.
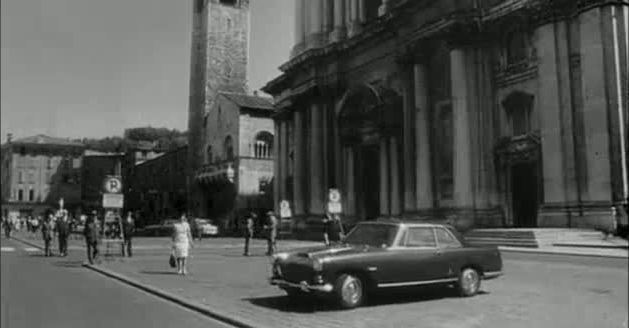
(228, 148)
(263, 147)
(20, 195)
(31, 194)
(208, 154)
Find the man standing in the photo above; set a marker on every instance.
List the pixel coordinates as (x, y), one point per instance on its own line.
(249, 223)
(91, 234)
(46, 230)
(271, 228)
(128, 229)
(63, 231)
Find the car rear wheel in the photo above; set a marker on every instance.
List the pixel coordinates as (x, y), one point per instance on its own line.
(469, 282)
(350, 291)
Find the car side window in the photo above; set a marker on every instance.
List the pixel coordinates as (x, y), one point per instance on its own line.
(446, 240)
(420, 237)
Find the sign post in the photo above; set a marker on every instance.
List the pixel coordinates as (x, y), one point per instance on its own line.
(334, 206)
(285, 216)
(113, 202)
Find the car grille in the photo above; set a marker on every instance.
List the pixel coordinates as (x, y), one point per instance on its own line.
(295, 272)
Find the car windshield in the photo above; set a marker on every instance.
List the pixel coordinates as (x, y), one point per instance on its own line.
(202, 221)
(374, 235)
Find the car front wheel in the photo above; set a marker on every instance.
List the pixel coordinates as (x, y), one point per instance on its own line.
(469, 282)
(350, 291)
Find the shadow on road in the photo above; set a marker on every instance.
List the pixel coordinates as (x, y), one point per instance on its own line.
(158, 272)
(312, 304)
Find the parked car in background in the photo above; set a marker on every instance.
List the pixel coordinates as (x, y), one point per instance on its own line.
(163, 229)
(378, 256)
(206, 228)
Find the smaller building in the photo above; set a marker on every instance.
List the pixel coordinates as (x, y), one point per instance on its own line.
(238, 155)
(96, 167)
(39, 171)
(156, 189)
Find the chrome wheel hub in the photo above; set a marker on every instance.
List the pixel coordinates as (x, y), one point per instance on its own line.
(470, 281)
(352, 290)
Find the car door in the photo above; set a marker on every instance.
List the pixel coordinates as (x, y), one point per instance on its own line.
(425, 263)
(450, 250)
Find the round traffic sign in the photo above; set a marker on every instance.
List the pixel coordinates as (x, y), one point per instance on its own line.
(335, 195)
(284, 204)
(113, 185)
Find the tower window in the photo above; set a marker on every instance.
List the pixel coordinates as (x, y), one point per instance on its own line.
(20, 195)
(199, 5)
(228, 2)
(263, 147)
(31, 195)
(516, 47)
(229, 148)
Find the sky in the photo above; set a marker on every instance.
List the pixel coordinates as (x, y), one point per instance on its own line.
(91, 68)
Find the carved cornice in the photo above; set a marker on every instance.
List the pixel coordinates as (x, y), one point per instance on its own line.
(515, 73)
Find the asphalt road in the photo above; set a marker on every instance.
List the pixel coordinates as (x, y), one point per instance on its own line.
(57, 292)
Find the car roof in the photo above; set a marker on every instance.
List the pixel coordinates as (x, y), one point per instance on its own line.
(407, 223)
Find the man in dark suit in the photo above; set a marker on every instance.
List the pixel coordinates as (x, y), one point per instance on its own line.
(249, 224)
(91, 233)
(128, 229)
(46, 230)
(63, 232)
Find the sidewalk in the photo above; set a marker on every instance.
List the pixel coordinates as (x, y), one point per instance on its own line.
(615, 248)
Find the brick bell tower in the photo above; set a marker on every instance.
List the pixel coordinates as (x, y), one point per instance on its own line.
(219, 55)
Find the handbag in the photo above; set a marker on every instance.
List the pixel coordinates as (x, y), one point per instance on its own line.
(172, 261)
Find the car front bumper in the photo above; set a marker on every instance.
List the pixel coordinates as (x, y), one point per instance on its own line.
(303, 286)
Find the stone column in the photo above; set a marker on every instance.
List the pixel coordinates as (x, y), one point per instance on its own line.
(300, 31)
(355, 24)
(595, 113)
(325, 139)
(285, 160)
(299, 177)
(408, 166)
(276, 169)
(462, 155)
(281, 126)
(316, 160)
(550, 103)
(350, 184)
(328, 16)
(423, 182)
(316, 23)
(340, 30)
(395, 174)
(362, 12)
(384, 178)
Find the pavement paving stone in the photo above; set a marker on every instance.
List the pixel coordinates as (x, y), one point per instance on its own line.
(531, 294)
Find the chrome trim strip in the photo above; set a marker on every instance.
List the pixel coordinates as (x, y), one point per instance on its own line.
(303, 285)
(492, 274)
(416, 283)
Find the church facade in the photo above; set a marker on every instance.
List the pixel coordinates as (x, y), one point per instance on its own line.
(486, 113)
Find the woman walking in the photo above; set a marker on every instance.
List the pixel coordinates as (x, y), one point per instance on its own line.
(182, 241)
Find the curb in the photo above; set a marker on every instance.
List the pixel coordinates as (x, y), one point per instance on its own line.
(28, 243)
(170, 297)
(591, 246)
(519, 250)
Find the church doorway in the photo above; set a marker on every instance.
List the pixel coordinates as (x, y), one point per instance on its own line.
(524, 194)
(368, 181)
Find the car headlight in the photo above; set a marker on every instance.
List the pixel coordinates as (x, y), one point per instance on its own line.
(317, 264)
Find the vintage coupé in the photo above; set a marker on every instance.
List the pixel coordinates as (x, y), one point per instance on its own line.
(382, 255)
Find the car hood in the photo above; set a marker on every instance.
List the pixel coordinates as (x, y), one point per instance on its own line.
(327, 252)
